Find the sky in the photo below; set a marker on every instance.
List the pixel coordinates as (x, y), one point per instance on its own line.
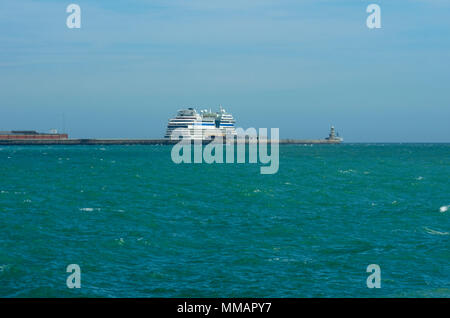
(297, 65)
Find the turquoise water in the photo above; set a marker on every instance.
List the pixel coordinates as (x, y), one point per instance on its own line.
(141, 226)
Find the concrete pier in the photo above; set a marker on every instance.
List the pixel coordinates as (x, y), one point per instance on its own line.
(68, 142)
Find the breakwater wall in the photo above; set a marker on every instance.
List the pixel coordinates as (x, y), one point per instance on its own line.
(69, 142)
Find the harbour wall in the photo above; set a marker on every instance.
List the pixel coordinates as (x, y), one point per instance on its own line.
(68, 142)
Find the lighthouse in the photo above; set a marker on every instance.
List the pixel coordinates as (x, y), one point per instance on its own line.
(333, 136)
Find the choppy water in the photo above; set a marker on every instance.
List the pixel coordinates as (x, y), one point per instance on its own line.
(140, 226)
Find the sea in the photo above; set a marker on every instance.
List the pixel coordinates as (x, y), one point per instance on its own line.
(139, 225)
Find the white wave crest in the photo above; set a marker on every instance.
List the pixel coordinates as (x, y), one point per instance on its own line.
(89, 209)
(433, 232)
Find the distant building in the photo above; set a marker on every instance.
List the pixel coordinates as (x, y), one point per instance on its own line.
(31, 134)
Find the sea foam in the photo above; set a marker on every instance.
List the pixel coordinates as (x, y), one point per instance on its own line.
(433, 232)
(89, 209)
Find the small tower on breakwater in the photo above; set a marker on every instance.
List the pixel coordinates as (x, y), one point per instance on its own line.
(333, 136)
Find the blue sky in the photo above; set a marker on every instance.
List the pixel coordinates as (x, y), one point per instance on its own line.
(296, 65)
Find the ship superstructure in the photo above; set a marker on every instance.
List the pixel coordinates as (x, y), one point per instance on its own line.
(204, 125)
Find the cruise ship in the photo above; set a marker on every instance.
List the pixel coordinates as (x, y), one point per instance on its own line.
(204, 125)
